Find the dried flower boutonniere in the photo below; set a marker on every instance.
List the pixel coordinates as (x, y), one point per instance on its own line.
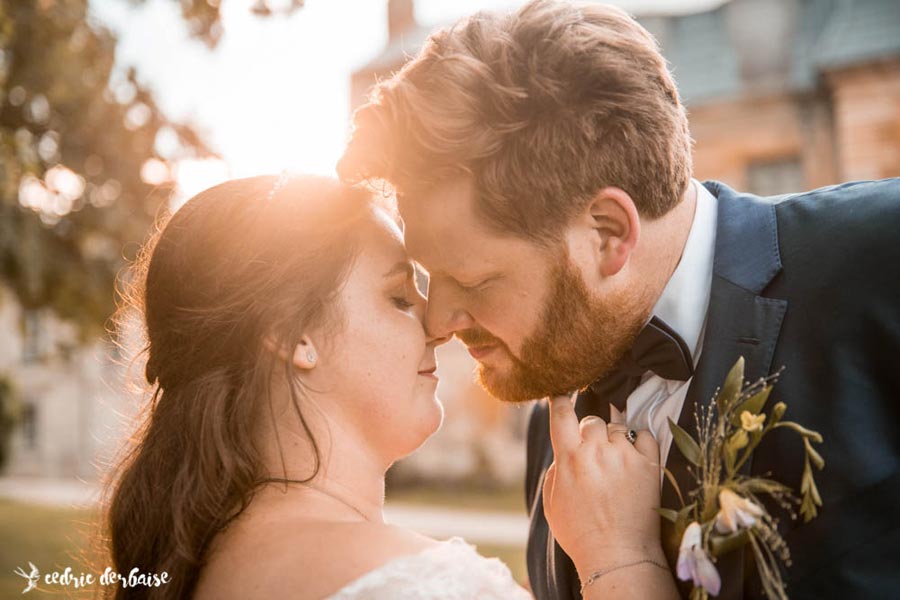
(725, 511)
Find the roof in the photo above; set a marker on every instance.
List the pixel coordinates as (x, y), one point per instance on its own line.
(712, 52)
(858, 31)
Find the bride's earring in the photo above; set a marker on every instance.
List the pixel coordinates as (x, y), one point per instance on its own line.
(305, 356)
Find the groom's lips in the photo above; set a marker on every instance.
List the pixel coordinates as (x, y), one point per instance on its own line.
(479, 352)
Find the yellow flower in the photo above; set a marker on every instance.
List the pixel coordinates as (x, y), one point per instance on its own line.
(751, 422)
(735, 512)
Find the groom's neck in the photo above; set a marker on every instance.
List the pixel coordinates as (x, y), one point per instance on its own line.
(664, 239)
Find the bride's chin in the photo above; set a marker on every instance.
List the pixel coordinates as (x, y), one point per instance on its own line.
(440, 414)
(436, 416)
(429, 425)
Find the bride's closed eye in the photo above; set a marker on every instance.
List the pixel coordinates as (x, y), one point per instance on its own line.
(405, 297)
(402, 302)
(403, 293)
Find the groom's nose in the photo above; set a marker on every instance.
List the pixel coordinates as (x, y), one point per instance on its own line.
(444, 313)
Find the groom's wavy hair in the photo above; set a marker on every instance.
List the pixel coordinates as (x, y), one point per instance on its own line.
(542, 108)
(231, 273)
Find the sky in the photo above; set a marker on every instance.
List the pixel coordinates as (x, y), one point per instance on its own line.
(274, 94)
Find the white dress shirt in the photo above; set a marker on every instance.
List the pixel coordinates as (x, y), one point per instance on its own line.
(682, 305)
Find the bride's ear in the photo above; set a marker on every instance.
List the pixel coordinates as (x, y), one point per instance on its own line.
(304, 357)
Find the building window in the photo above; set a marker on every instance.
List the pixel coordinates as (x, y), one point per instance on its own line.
(29, 426)
(775, 177)
(34, 345)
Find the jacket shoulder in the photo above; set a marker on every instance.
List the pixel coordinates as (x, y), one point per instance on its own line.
(848, 202)
(861, 216)
(842, 240)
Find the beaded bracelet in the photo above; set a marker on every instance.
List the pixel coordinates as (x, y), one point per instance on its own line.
(598, 574)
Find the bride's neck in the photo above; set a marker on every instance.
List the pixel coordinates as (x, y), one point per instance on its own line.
(349, 473)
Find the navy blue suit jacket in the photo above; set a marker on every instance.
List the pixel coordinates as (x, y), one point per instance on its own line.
(809, 282)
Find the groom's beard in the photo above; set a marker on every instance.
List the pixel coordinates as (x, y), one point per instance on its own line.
(578, 340)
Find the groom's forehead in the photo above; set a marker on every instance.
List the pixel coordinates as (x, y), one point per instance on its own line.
(449, 198)
(444, 238)
(442, 215)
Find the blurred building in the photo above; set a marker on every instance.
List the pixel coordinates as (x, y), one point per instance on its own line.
(786, 95)
(783, 95)
(69, 395)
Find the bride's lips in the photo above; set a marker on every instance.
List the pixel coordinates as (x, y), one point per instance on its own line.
(430, 373)
(479, 352)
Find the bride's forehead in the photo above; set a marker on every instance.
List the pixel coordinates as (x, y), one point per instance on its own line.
(388, 224)
(385, 243)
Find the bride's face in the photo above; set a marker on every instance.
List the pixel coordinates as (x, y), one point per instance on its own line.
(378, 367)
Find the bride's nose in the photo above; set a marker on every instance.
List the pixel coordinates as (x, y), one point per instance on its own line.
(434, 341)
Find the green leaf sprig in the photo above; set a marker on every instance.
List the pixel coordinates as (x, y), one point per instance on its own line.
(726, 503)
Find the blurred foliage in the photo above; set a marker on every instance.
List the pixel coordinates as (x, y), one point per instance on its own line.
(203, 17)
(80, 146)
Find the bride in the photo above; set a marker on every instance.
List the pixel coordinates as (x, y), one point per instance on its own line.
(289, 369)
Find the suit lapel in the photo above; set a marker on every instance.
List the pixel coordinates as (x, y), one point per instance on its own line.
(740, 322)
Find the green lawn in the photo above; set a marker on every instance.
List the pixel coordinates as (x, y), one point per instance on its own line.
(471, 498)
(460, 498)
(55, 538)
(513, 556)
(51, 538)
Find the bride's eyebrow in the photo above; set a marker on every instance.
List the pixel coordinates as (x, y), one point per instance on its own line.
(404, 267)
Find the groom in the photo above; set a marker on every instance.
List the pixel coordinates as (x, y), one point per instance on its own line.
(542, 164)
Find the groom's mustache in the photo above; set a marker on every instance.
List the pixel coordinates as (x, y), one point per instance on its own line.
(475, 338)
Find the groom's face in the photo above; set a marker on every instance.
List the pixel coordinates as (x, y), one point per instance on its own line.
(524, 311)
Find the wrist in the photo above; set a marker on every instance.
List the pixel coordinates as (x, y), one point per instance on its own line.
(588, 580)
(600, 558)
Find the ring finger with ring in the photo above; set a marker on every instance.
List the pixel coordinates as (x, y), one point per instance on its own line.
(630, 434)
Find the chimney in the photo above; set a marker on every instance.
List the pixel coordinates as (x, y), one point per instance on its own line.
(401, 16)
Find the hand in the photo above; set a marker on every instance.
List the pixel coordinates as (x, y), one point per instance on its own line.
(601, 491)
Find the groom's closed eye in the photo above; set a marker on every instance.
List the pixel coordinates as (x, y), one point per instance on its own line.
(470, 287)
(478, 285)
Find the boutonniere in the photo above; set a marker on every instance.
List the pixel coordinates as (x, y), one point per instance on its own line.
(725, 511)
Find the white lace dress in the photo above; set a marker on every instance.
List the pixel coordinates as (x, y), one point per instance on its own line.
(449, 570)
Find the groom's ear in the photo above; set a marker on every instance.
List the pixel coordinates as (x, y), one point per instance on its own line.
(616, 227)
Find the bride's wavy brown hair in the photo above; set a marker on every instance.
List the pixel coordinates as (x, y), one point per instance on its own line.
(232, 268)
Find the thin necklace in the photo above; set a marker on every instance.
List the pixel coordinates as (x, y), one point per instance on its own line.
(319, 489)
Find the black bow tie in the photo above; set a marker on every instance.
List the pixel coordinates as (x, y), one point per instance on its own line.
(657, 348)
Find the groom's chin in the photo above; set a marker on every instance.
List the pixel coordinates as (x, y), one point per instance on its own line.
(505, 386)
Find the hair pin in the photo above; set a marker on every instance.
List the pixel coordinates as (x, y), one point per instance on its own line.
(280, 183)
